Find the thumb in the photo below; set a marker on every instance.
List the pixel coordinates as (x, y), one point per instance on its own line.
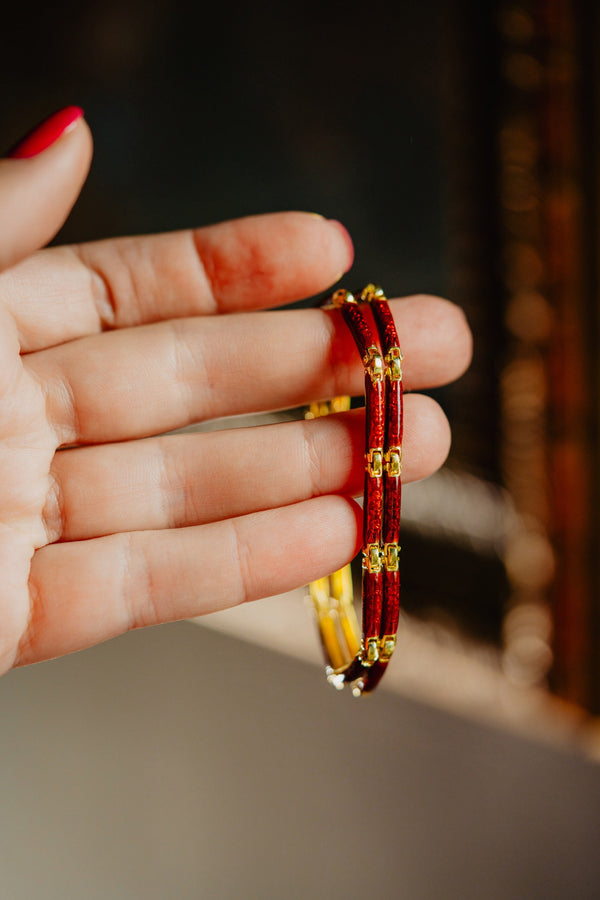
(40, 182)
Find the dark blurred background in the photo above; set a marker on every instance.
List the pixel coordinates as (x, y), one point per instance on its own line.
(458, 142)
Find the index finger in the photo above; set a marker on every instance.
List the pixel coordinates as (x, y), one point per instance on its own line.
(257, 262)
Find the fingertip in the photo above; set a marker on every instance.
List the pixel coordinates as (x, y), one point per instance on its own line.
(427, 437)
(347, 257)
(442, 327)
(38, 189)
(84, 136)
(462, 334)
(330, 245)
(331, 533)
(69, 159)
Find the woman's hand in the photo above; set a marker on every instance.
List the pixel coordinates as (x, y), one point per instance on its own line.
(104, 526)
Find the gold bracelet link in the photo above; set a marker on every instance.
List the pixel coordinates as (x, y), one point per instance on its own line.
(369, 652)
(391, 556)
(373, 363)
(393, 462)
(387, 645)
(342, 296)
(372, 558)
(374, 462)
(372, 292)
(393, 364)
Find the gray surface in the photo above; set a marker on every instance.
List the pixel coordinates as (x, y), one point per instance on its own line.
(177, 763)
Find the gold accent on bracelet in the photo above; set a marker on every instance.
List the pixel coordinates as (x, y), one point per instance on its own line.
(372, 292)
(387, 645)
(391, 556)
(369, 653)
(374, 462)
(393, 461)
(393, 364)
(373, 362)
(338, 298)
(372, 558)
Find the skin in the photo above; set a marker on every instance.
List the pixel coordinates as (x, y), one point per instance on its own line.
(108, 524)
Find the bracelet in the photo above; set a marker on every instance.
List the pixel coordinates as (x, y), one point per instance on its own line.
(359, 655)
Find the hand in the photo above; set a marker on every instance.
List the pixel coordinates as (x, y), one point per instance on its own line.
(106, 527)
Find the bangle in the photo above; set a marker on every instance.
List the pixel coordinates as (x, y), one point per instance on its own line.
(359, 656)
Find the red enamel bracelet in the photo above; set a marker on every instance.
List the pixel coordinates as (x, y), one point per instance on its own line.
(360, 656)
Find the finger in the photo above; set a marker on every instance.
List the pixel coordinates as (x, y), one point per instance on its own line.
(157, 378)
(38, 192)
(85, 592)
(256, 262)
(193, 479)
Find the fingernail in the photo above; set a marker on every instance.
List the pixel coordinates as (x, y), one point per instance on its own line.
(46, 133)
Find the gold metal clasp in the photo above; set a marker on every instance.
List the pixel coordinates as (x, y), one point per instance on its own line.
(393, 364)
(374, 462)
(369, 653)
(393, 461)
(373, 362)
(372, 558)
(342, 296)
(387, 645)
(372, 292)
(391, 556)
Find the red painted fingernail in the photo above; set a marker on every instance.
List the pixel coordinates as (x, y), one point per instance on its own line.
(47, 132)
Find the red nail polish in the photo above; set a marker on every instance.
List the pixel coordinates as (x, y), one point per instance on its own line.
(45, 134)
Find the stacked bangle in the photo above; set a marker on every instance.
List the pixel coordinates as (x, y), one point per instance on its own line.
(359, 656)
